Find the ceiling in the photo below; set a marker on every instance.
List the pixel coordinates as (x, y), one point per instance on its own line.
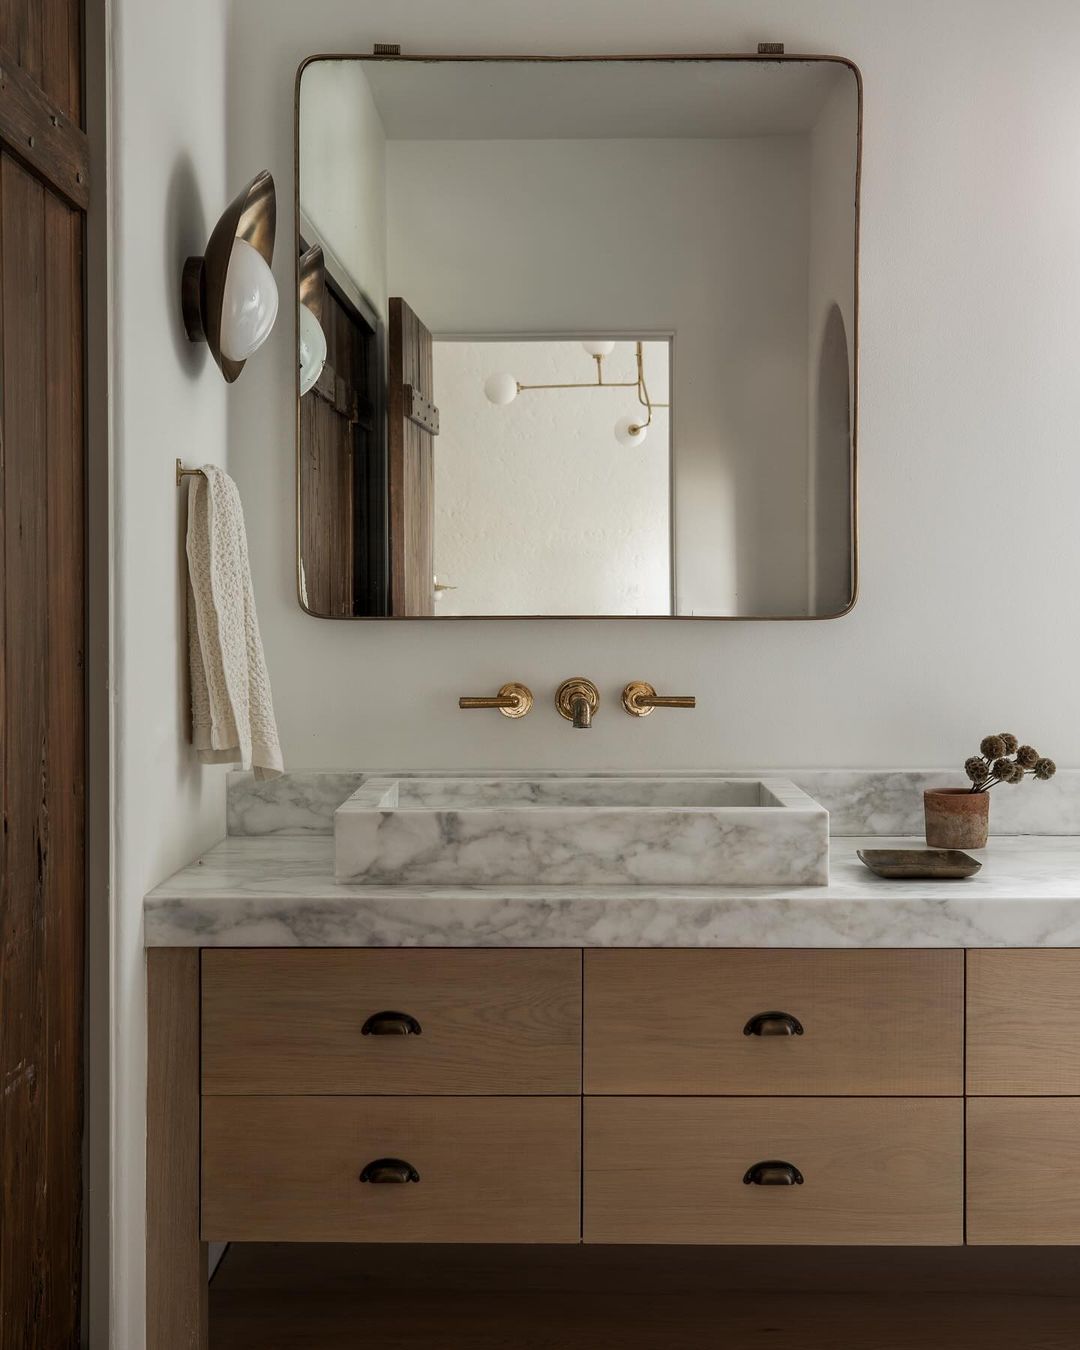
(598, 99)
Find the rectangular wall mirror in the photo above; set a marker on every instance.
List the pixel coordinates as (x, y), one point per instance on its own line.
(577, 337)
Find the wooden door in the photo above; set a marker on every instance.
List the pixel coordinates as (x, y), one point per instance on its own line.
(412, 427)
(342, 474)
(44, 183)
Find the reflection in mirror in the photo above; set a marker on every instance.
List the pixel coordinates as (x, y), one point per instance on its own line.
(590, 337)
(545, 503)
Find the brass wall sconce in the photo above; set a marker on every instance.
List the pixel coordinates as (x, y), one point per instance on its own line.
(229, 296)
(502, 389)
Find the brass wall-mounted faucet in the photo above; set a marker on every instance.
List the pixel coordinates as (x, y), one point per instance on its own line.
(577, 700)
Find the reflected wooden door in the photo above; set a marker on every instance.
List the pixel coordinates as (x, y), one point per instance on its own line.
(411, 430)
(44, 180)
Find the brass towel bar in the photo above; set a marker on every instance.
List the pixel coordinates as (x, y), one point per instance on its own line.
(182, 473)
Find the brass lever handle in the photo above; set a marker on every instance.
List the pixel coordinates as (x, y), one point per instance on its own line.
(512, 700)
(773, 1024)
(389, 1171)
(639, 699)
(391, 1024)
(773, 1173)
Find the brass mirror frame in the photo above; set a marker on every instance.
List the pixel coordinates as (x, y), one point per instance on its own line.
(779, 58)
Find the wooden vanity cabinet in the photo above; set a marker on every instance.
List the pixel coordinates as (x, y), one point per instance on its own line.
(775, 1023)
(852, 1171)
(611, 1096)
(1023, 1109)
(392, 1021)
(483, 1169)
(1023, 1023)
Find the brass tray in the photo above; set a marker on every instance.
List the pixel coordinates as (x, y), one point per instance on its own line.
(919, 864)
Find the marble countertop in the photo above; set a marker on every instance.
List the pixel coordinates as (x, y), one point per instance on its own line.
(279, 891)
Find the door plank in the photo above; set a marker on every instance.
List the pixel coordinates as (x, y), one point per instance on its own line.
(27, 1284)
(44, 183)
(410, 467)
(64, 787)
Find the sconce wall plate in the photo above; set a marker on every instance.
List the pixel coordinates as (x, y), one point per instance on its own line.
(251, 216)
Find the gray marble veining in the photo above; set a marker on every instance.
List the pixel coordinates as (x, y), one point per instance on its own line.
(859, 801)
(281, 892)
(564, 830)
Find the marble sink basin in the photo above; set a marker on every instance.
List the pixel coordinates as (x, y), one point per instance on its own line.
(442, 830)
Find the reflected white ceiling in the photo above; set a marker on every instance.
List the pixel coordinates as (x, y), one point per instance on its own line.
(531, 100)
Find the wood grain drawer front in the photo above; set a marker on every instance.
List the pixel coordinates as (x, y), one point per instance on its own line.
(873, 1023)
(496, 1169)
(1023, 1023)
(489, 1021)
(671, 1170)
(1023, 1171)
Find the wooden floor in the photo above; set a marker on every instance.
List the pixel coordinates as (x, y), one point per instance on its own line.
(362, 1298)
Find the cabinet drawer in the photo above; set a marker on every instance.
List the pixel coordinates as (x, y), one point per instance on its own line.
(1023, 1010)
(490, 1169)
(874, 1023)
(483, 1021)
(1023, 1171)
(669, 1170)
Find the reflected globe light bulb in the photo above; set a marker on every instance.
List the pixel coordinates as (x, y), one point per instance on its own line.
(629, 431)
(250, 302)
(599, 348)
(500, 389)
(312, 350)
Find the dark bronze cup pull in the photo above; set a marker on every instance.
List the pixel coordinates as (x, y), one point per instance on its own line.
(389, 1171)
(773, 1024)
(773, 1173)
(391, 1024)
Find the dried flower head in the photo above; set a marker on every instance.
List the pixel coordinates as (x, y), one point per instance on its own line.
(1010, 742)
(1045, 768)
(1016, 773)
(1002, 768)
(993, 747)
(976, 768)
(1027, 756)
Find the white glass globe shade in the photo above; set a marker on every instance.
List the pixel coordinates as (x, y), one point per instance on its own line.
(599, 348)
(312, 350)
(250, 303)
(500, 389)
(629, 431)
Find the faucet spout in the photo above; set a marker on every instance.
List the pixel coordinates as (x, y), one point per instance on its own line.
(577, 700)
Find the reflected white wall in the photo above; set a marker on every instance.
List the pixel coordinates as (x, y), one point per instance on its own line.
(705, 239)
(538, 509)
(343, 173)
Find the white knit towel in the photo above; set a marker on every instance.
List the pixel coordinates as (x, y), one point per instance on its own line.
(232, 714)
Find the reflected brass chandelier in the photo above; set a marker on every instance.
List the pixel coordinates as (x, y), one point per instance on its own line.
(502, 389)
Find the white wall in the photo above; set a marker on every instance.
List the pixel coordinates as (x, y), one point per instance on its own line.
(538, 508)
(970, 404)
(725, 272)
(833, 157)
(168, 401)
(343, 185)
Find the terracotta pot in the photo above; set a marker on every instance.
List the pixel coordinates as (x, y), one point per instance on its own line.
(956, 817)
